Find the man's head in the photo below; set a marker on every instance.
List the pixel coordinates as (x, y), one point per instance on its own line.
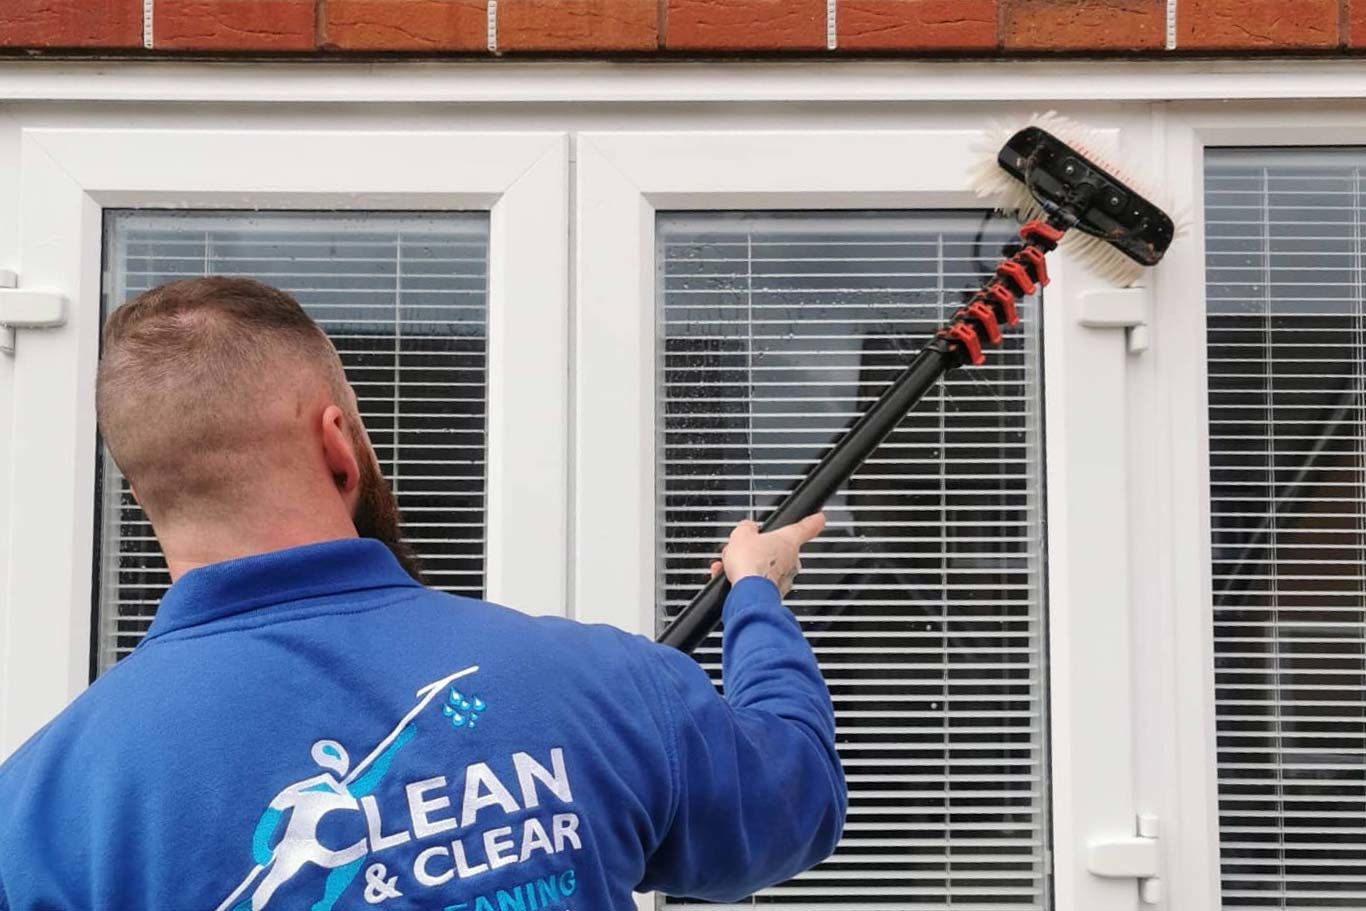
(227, 409)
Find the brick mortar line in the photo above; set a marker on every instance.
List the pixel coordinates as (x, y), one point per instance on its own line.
(319, 24)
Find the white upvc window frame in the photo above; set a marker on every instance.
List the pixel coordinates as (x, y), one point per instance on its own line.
(68, 176)
(1181, 760)
(1089, 380)
(1132, 710)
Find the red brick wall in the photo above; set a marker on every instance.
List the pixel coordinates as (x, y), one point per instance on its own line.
(334, 28)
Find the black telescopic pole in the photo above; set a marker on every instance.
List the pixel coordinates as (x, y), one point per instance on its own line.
(686, 631)
(959, 342)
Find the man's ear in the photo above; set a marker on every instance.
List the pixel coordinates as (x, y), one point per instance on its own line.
(339, 453)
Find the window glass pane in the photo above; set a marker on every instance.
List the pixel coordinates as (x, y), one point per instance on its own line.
(1287, 344)
(403, 298)
(924, 599)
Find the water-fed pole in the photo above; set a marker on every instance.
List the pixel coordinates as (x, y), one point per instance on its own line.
(1068, 197)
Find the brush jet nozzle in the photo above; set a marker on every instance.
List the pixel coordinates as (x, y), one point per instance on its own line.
(1079, 193)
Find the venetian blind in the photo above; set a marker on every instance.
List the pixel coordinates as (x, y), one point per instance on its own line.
(924, 598)
(403, 298)
(1287, 344)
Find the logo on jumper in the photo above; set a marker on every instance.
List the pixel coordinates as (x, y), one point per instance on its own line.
(463, 710)
(339, 786)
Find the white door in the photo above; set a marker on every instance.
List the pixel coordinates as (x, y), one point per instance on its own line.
(436, 259)
(1268, 627)
(740, 297)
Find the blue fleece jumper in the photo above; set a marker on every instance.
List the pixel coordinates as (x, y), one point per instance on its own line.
(310, 729)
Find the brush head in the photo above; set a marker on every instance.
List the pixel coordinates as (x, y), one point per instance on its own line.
(1046, 170)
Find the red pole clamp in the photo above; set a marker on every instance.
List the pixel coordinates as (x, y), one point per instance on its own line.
(1005, 300)
(1016, 273)
(986, 318)
(1036, 259)
(1041, 231)
(964, 335)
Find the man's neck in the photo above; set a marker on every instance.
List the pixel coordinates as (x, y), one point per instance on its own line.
(188, 549)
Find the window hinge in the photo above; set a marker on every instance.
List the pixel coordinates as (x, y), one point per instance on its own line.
(1133, 856)
(24, 309)
(1119, 308)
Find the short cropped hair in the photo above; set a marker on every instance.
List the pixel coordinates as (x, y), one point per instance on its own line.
(186, 374)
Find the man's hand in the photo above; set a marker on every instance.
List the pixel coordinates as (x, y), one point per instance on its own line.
(772, 555)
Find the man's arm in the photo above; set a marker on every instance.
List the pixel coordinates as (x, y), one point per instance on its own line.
(759, 792)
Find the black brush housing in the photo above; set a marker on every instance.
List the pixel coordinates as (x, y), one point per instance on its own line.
(1065, 183)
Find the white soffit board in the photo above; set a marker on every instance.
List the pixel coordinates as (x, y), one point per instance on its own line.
(1039, 82)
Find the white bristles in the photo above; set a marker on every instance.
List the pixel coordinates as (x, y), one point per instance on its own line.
(1102, 258)
(994, 183)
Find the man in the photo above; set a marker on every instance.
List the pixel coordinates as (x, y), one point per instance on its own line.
(306, 726)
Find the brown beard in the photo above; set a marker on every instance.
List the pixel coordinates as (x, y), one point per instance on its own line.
(377, 515)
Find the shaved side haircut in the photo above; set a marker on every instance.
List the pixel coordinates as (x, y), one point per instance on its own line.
(197, 381)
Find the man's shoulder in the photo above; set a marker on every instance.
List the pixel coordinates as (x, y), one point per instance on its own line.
(498, 619)
(551, 645)
(51, 746)
(14, 769)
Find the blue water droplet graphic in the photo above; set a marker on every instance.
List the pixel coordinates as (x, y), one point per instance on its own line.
(462, 710)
